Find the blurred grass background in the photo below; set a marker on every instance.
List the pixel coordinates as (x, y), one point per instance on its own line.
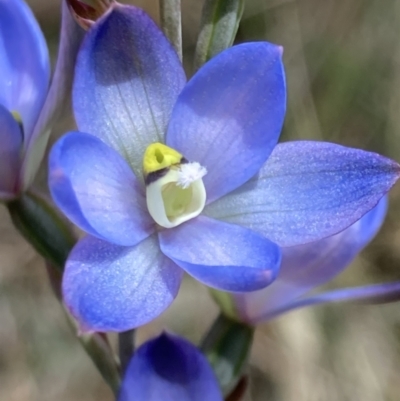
(342, 62)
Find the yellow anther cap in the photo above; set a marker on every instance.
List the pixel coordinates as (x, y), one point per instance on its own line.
(159, 156)
(175, 191)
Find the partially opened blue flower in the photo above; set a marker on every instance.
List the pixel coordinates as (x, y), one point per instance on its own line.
(167, 177)
(169, 368)
(306, 267)
(24, 79)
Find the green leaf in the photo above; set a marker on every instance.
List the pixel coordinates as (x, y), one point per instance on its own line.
(227, 346)
(43, 227)
(170, 16)
(219, 25)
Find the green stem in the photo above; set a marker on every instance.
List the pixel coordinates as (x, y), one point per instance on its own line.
(99, 350)
(43, 227)
(219, 24)
(170, 15)
(126, 348)
(227, 346)
(95, 344)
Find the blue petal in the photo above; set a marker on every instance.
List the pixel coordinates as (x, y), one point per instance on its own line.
(307, 191)
(10, 150)
(24, 62)
(113, 288)
(57, 109)
(230, 115)
(305, 267)
(376, 293)
(221, 255)
(169, 368)
(96, 189)
(134, 77)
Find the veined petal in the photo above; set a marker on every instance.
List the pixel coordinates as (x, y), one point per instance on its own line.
(307, 191)
(134, 76)
(96, 189)
(113, 288)
(376, 293)
(305, 267)
(230, 114)
(24, 62)
(169, 368)
(221, 255)
(10, 151)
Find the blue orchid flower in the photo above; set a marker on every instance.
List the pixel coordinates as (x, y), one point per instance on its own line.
(24, 80)
(169, 368)
(168, 176)
(305, 268)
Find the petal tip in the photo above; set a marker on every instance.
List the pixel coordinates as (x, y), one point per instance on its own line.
(396, 168)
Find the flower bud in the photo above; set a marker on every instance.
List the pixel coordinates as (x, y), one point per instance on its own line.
(86, 12)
